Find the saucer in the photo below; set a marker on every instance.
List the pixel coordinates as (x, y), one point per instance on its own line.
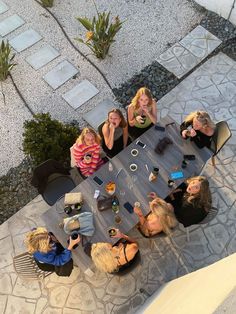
(133, 167)
(134, 152)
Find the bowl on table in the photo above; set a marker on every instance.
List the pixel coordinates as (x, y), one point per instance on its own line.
(110, 188)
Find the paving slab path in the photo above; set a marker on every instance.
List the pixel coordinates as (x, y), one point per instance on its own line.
(210, 87)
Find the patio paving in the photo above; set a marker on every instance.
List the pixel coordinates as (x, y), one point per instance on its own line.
(3, 7)
(25, 40)
(42, 57)
(191, 50)
(10, 24)
(206, 88)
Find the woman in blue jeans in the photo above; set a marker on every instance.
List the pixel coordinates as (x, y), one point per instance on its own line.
(48, 253)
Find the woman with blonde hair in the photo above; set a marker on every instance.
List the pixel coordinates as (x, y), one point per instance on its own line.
(142, 112)
(199, 127)
(191, 201)
(87, 152)
(160, 219)
(48, 253)
(111, 259)
(114, 133)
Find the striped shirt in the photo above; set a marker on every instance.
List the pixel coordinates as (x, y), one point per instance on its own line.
(80, 151)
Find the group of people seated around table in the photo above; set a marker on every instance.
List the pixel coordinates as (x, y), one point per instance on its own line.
(116, 133)
(188, 204)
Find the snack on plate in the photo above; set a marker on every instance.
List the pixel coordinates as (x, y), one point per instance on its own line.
(110, 187)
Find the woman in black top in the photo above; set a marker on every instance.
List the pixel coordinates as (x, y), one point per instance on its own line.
(191, 201)
(199, 127)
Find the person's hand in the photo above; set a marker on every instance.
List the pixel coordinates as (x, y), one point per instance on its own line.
(112, 127)
(170, 206)
(73, 242)
(118, 234)
(193, 133)
(185, 133)
(139, 119)
(53, 238)
(87, 159)
(145, 109)
(152, 195)
(138, 211)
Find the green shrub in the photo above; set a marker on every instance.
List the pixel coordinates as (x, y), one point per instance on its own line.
(5, 60)
(44, 138)
(47, 3)
(100, 33)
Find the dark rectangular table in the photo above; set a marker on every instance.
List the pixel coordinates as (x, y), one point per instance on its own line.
(130, 186)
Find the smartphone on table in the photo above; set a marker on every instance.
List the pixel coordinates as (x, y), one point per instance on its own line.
(141, 144)
(160, 128)
(189, 157)
(176, 175)
(129, 207)
(98, 180)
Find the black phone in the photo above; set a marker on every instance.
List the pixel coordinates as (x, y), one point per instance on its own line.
(129, 207)
(160, 128)
(98, 180)
(189, 157)
(141, 144)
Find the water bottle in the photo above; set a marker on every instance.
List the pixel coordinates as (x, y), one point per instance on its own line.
(115, 205)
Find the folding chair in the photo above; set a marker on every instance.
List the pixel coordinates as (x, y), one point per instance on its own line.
(26, 267)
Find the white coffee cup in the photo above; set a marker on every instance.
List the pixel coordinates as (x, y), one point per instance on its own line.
(133, 167)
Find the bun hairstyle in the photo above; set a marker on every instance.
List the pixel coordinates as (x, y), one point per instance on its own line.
(203, 117)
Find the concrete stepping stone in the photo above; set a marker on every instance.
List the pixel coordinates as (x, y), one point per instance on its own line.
(200, 42)
(3, 7)
(60, 74)
(42, 57)
(10, 24)
(25, 40)
(191, 50)
(81, 93)
(99, 114)
(178, 60)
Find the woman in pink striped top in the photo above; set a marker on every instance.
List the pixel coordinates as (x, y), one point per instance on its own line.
(86, 152)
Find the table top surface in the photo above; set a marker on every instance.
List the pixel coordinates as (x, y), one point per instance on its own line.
(130, 186)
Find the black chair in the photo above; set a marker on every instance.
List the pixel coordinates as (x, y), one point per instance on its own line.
(52, 181)
(221, 136)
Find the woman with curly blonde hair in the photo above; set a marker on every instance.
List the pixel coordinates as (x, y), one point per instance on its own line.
(110, 259)
(199, 127)
(142, 112)
(161, 218)
(87, 152)
(191, 201)
(48, 252)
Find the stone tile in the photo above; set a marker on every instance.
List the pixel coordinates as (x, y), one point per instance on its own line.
(124, 288)
(178, 60)
(217, 236)
(99, 114)
(200, 42)
(10, 24)
(42, 57)
(52, 310)
(81, 93)
(27, 289)
(81, 297)
(5, 283)
(3, 301)
(6, 252)
(18, 305)
(60, 74)
(25, 40)
(3, 7)
(58, 296)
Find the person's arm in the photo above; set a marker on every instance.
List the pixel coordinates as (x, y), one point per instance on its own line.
(125, 135)
(139, 213)
(108, 132)
(124, 236)
(153, 114)
(78, 153)
(131, 117)
(183, 129)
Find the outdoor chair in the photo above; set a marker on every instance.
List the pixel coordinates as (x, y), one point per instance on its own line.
(210, 216)
(221, 136)
(52, 181)
(26, 267)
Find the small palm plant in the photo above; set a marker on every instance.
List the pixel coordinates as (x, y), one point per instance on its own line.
(47, 3)
(100, 32)
(6, 64)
